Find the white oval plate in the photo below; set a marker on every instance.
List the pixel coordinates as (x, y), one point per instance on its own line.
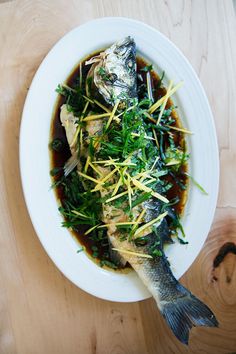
(34, 155)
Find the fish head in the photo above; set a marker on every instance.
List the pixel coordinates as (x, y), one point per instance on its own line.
(114, 71)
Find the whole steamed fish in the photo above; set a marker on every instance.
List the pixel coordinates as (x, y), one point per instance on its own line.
(114, 75)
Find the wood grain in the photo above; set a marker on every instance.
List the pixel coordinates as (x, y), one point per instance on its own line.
(41, 311)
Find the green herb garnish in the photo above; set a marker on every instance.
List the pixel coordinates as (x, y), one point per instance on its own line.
(128, 137)
(147, 68)
(196, 184)
(56, 145)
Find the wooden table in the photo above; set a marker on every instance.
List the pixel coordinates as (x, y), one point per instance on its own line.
(40, 310)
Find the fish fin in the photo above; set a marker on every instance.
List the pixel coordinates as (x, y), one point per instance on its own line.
(186, 312)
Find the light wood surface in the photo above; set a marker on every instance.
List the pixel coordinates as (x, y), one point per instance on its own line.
(40, 310)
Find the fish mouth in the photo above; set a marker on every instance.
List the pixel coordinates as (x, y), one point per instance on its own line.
(126, 42)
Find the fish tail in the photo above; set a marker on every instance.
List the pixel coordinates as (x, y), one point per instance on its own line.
(185, 312)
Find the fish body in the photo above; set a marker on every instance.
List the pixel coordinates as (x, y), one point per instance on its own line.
(114, 71)
(179, 307)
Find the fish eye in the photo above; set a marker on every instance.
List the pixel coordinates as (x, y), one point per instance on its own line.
(130, 62)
